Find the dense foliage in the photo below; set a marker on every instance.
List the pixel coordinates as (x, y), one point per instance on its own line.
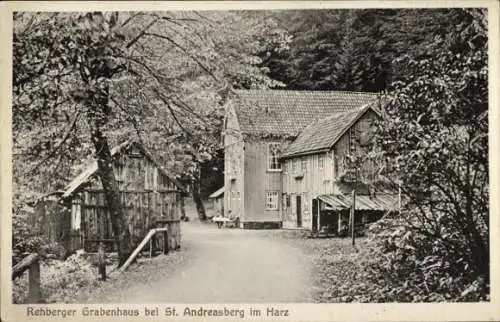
(86, 81)
(353, 49)
(435, 129)
(395, 264)
(60, 280)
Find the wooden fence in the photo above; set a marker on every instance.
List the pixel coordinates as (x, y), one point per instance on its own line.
(30, 263)
(144, 210)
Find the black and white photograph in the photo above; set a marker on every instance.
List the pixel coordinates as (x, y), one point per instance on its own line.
(248, 155)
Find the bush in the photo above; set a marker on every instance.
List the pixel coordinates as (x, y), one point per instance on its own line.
(60, 280)
(400, 264)
(419, 266)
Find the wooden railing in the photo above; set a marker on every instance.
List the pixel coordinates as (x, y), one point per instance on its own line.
(32, 264)
(166, 232)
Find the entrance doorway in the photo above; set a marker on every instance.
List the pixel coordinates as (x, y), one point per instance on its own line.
(315, 217)
(299, 211)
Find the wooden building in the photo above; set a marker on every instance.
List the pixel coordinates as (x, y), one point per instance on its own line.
(318, 177)
(148, 193)
(261, 188)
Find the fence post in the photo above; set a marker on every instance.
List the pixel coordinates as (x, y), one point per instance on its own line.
(102, 261)
(151, 247)
(34, 283)
(165, 242)
(353, 207)
(166, 237)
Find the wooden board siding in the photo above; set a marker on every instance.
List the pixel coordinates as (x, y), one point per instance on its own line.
(315, 181)
(146, 195)
(308, 184)
(141, 209)
(233, 168)
(258, 181)
(343, 146)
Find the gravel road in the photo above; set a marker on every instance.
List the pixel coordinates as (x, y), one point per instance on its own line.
(215, 266)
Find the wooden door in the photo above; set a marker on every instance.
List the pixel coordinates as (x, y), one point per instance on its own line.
(315, 217)
(298, 204)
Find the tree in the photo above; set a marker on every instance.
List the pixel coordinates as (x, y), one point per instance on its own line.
(352, 49)
(103, 77)
(435, 129)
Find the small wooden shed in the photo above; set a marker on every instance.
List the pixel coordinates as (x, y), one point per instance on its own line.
(218, 200)
(148, 193)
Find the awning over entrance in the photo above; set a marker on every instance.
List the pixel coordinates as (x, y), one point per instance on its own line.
(217, 193)
(363, 202)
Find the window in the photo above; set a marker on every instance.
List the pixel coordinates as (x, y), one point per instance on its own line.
(321, 162)
(304, 164)
(293, 165)
(272, 200)
(273, 156)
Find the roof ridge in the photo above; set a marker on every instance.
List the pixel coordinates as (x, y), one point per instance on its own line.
(289, 111)
(305, 91)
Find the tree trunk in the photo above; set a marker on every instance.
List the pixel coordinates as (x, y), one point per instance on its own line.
(97, 119)
(200, 208)
(480, 249)
(183, 208)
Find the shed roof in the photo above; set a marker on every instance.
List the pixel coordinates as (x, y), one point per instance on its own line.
(322, 134)
(382, 202)
(285, 112)
(91, 169)
(217, 193)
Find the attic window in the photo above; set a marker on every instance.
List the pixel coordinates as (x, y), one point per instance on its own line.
(273, 156)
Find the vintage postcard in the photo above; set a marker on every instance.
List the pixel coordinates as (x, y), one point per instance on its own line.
(222, 161)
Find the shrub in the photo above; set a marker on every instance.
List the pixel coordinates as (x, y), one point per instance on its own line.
(417, 266)
(60, 280)
(400, 264)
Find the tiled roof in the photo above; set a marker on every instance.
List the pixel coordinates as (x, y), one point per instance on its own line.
(284, 112)
(324, 133)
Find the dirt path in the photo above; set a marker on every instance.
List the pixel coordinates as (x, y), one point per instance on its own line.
(217, 266)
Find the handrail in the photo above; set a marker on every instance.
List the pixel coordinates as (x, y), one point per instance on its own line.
(143, 243)
(32, 264)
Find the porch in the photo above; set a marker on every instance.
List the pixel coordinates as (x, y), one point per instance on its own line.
(331, 213)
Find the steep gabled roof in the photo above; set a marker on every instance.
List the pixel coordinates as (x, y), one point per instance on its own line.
(322, 134)
(91, 169)
(286, 113)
